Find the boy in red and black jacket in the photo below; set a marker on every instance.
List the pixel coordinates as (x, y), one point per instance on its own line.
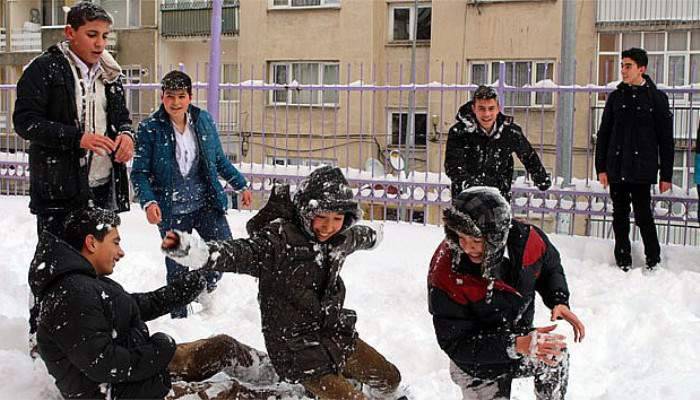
(483, 303)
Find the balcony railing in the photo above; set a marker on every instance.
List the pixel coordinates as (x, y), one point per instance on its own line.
(647, 11)
(3, 40)
(193, 18)
(25, 40)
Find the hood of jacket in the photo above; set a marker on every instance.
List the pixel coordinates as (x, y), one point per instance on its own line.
(326, 190)
(111, 70)
(54, 259)
(466, 115)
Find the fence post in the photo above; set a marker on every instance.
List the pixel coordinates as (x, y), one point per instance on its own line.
(214, 60)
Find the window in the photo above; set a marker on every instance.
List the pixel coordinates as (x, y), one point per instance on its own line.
(304, 3)
(52, 12)
(126, 13)
(229, 74)
(399, 128)
(674, 57)
(132, 75)
(304, 73)
(300, 161)
(402, 20)
(518, 73)
(683, 166)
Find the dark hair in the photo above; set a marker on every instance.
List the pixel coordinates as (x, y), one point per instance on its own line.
(639, 56)
(85, 12)
(176, 80)
(485, 93)
(89, 221)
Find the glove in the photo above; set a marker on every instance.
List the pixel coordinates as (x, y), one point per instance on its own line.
(544, 185)
(192, 251)
(378, 235)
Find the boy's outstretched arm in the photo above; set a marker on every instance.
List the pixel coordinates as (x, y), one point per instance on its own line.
(243, 256)
(363, 237)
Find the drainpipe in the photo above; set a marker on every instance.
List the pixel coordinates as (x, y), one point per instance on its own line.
(214, 60)
(566, 98)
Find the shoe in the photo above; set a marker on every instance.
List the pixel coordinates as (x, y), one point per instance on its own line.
(624, 266)
(653, 264)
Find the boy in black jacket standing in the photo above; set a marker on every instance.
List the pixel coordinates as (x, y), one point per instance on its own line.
(71, 107)
(92, 334)
(635, 140)
(480, 147)
(483, 303)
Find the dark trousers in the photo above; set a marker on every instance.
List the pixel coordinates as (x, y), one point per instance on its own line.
(639, 196)
(365, 366)
(210, 224)
(550, 381)
(100, 196)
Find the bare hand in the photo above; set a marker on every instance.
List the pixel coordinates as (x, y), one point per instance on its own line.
(125, 148)
(548, 347)
(664, 186)
(153, 214)
(97, 143)
(246, 198)
(603, 179)
(563, 312)
(170, 241)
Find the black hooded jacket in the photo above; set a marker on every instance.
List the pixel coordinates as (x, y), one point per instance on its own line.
(476, 326)
(307, 331)
(635, 138)
(46, 115)
(91, 333)
(473, 158)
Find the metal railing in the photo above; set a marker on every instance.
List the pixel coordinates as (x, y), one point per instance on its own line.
(398, 176)
(182, 19)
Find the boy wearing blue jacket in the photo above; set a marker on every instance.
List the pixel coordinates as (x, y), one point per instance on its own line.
(175, 172)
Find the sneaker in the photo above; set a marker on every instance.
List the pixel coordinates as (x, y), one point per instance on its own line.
(653, 264)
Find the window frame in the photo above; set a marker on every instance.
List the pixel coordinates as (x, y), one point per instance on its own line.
(490, 66)
(411, 22)
(317, 95)
(323, 4)
(666, 54)
(390, 127)
(128, 8)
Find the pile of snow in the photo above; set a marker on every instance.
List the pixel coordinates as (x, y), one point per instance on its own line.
(641, 339)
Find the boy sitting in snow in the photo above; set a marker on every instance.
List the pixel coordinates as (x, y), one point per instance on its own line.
(297, 258)
(92, 334)
(483, 303)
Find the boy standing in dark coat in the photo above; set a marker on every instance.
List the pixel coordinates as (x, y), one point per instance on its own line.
(635, 140)
(297, 258)
(71, 107)
(480, 147)
(92, 334)
(483, 303)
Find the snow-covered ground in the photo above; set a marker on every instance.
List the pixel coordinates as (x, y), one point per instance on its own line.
(642, 331)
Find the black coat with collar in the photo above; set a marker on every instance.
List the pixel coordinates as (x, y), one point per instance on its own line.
(307, 331)
(92, 334)
(46, 114)
(475, 332)
(635, 138)
(473, 158)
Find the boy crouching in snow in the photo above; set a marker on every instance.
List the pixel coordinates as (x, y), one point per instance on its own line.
(297, 258)
(483, 302)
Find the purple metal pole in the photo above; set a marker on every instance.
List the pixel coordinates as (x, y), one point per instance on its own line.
(214, 60)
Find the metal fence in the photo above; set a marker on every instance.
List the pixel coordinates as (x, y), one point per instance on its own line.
(356, 118)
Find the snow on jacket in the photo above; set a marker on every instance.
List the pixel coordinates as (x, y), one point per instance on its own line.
(473, 158)
(155, 161)
(91, 333)
(635, 138)
(46, 114)
(475, 333)
(307, 331)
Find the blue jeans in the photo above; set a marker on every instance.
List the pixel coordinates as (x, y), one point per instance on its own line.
(210, 224)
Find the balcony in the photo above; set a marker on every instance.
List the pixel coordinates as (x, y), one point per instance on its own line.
(188, 19)
(647, 12)
(3, 40)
